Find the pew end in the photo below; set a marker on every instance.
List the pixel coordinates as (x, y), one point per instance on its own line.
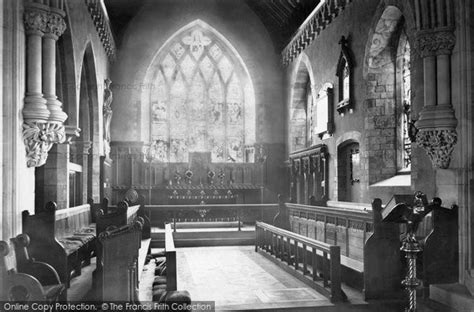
(118, 277)
(20, 286)
(63, 238)
(382, 266)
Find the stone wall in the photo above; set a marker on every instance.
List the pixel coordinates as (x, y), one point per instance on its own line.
(155, 24)
(18, 181)
(375, 115)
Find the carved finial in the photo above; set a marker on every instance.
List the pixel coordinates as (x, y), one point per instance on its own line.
(343, 41)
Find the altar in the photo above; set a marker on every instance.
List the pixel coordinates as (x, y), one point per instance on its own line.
(196, 182)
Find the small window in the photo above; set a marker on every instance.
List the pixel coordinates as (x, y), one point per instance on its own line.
(344, 73)
(404, 124)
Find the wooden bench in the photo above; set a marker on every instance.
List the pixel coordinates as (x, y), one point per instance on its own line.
(62, 238)
(370, 249)
(370, 254)
(119, 254)
(283, 246)
(27, 281)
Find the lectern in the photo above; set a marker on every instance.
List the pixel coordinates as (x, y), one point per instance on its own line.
(410, 209)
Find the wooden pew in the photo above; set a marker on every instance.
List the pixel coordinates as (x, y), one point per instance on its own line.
(119, 254)
(283, 246)
(62, 238)
(370, 254)
(38, 282)
(440, 249)
(145, 213)
(120, 215)
(107, 219)
(170, 253)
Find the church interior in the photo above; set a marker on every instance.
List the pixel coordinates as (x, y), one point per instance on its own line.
(260, 155)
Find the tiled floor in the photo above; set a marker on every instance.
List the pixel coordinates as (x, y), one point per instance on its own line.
(236, 277)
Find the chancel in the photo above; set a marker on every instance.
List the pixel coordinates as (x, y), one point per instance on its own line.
(251, 154)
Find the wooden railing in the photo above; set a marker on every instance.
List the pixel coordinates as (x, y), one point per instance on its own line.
(238, 213)
(170, 252)
(320, 260)
(347, 227)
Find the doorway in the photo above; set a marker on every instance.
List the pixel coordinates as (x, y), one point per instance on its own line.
(349, 172)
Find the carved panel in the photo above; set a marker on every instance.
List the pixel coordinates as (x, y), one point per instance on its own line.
(429, 43)
(324, 14)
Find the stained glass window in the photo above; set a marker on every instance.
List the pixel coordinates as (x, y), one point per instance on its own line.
(200, 99)
(406, 97)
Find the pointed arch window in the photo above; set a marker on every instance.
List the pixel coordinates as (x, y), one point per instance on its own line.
(345, 75)
(406, 95)
(404, 65)
(201, 99)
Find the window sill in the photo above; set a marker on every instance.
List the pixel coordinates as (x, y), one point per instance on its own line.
(398, 180)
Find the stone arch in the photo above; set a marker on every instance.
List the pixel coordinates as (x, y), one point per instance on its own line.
(407, 11)
(89, 97)
(354, 136)
(302, 85)
(383, 110)
(86, 149)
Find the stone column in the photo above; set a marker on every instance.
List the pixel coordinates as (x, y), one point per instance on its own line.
(43, 118)
(437, 123)
(55, 27)
(35, 20)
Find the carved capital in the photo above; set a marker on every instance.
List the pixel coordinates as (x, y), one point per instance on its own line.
(438, 144)
(436, 42)
(39, 138)
(35, 21)
(55, 25)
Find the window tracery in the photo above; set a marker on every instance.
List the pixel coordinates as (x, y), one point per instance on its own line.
(406, 102)
(199, 100)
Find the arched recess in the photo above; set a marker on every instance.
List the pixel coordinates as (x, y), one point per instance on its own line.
(301, 98)
(198, 96)
(85, 178)
(388, 95)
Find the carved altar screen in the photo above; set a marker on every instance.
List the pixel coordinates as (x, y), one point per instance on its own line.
(200, 102)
